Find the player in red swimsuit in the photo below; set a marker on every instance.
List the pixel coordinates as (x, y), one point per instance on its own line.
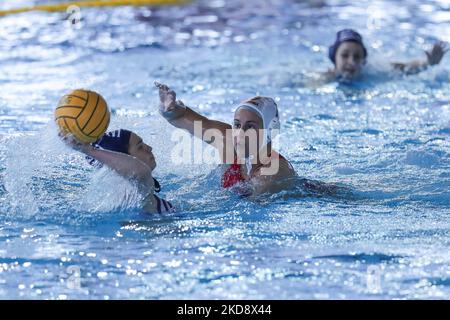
(245, 147)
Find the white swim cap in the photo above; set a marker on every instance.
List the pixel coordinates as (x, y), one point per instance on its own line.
(267, 109)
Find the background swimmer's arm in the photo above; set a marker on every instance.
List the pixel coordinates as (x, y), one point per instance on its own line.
(180, 116)
(434, 56)
(412, 67)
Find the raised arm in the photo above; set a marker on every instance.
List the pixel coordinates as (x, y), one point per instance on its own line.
(434, 56)
(125, 165)
(183, 117)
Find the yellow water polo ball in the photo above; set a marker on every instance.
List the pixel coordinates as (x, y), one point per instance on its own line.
(84, 114)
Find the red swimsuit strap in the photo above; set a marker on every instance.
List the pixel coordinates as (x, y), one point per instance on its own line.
(232, 175)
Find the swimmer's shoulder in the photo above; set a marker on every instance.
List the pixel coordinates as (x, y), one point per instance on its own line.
(328, 76)
(321, 78)
(285, 170)
(278, 176)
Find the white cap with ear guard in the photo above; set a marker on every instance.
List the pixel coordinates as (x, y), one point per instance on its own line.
(267, 109)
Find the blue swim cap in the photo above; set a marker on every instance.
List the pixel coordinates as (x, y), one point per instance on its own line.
(342, 36)
(117, 140)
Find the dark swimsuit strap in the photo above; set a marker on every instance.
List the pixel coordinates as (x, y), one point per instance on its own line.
(160, 203)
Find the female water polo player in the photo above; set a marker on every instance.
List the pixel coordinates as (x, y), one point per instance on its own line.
(349, 55)
(245, 148)
(124, 152)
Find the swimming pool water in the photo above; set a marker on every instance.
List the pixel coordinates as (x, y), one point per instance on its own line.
(66, 231)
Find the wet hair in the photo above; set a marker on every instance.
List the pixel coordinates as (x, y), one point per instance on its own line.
(343, 36)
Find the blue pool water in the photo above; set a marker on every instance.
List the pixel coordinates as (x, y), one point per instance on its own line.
(69, 232)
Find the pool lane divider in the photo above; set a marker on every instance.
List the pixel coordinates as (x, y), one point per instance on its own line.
(55, 7)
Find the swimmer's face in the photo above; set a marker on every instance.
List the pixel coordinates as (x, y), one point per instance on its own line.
(349, 59)
(137, 148)
(247, 127)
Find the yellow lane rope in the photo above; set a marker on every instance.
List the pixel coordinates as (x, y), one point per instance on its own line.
(54, 7)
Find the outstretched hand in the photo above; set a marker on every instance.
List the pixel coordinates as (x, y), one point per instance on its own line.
(169, 106)
(167, 97)
(434, 56)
